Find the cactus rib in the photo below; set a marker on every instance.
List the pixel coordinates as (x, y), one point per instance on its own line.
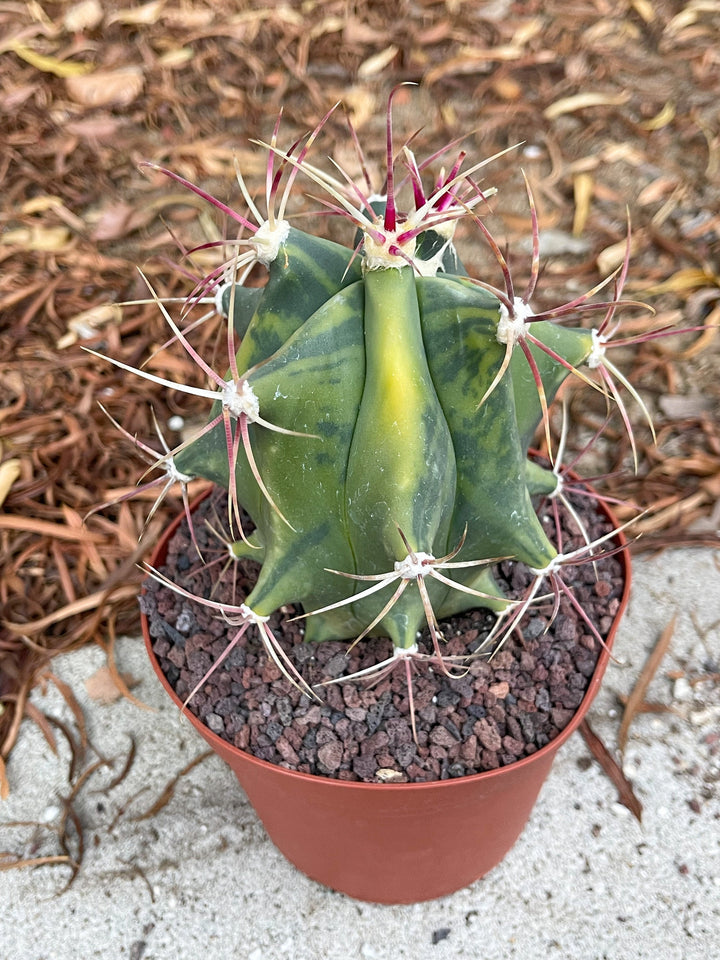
(378, 404)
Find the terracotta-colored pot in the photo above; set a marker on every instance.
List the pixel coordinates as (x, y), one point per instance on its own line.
(394, 843)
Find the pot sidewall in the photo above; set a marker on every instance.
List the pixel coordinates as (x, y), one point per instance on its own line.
(393, 843)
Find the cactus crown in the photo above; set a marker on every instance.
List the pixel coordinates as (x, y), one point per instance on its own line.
(377, 405)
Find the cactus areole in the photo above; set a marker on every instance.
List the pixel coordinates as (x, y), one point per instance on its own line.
(374, 412)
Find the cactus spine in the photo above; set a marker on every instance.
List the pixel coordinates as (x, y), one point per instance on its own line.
(375, 419)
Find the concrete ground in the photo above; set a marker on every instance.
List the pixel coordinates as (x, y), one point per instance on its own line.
(199, 878)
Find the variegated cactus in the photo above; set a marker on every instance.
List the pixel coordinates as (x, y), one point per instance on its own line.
(375, 417)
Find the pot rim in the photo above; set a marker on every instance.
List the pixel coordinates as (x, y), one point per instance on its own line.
(220, 745)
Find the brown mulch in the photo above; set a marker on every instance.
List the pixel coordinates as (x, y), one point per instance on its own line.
(615, 103)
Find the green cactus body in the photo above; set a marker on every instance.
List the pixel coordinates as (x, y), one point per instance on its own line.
(401, 472)
(312, 385)
(573, 345)
(239, 304)
(306, 272)
(492, 505)
(539, 480)
(390, 403)
(386, 378)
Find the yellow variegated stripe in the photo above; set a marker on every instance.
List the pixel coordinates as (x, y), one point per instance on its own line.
(401, 471)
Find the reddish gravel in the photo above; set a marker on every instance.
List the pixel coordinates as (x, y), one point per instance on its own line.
(500, 711)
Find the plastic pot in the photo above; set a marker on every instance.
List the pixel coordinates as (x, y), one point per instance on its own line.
(394, 843)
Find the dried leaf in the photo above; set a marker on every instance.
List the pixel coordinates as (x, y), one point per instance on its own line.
(702, 344)
(356, 31)
(507, 88)
(583, 186)
(12, 100)
(645, 9)
(177, 57)
(681, 507)
(85, 15)
(581, 101)
(71, 610)
(98, 127)
(37, 239)
(361, 105)
(626, 794)
(84, 326)
(113, 221)
(119, 678)
(471, 60)
(17, 862)
(75, 861)
(656, 191)
(169, 789)
(9, 472)
(685, 18)
(4, 782)
(48, 529)
(377, 62)
(43, 724)
(76, 754)
(116, 781)
(650, 707)
(685, 280)
(648, 672)
(45, 202)
(72, 702)
(662, 119)
(327, 25)
(612, 256)
(60, 68)
(101, 685)
(148, 13)
(107, 87)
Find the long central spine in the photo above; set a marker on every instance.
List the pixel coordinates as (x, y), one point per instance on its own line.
(401, 470)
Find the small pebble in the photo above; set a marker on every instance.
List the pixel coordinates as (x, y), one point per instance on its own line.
(682, 690)
(502, 709)
(50, 813)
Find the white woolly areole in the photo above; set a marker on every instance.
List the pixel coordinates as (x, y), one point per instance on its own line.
(559, 486)
(174, 474)
(268, 239)
(597, 354)
(446, 228)
(219, 291)
(430, 267)
(511, 327)
(554, 565)
(239, 399)
(404, 653)
(250, 615)
(410, 569)
(377, 255)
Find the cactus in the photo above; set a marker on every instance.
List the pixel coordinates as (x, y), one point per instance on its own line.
(378, 405)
